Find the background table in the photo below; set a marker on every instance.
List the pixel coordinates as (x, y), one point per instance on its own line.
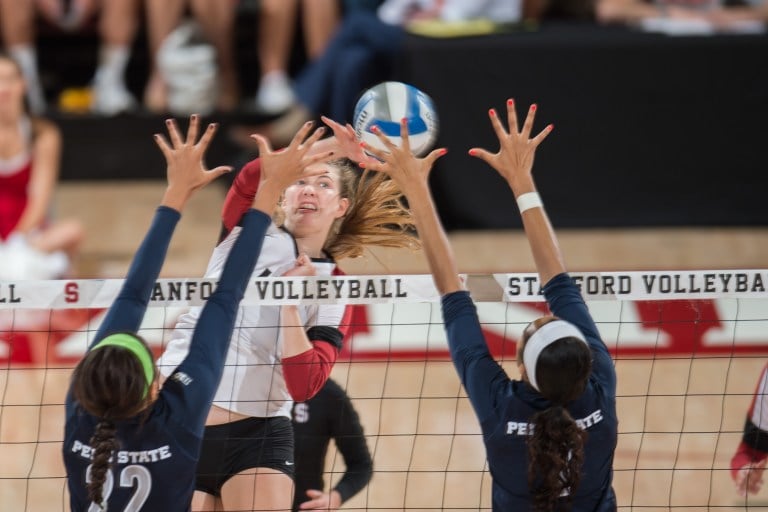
(650, 130)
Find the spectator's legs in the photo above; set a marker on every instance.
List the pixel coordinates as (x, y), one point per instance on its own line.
(277, 20)
(117, 27)
(361, 29)
(17, 18)
(320, 19)
(217, 19)
(162, 17)
(65, 235)
(359, 67)
(361, 34)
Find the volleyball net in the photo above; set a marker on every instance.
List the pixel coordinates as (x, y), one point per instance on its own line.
(688, 346)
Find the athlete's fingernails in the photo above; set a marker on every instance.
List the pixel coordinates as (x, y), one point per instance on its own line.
(472, 152)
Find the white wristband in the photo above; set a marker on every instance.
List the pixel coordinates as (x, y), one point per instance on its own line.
(528, 201)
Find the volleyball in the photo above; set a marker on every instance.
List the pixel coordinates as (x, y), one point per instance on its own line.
(385, 104)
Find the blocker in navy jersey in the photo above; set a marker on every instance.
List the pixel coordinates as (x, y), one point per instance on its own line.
(154, 467)
(504, 406)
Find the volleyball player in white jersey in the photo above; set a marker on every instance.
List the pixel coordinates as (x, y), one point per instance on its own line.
(281, 354)
(748, 463)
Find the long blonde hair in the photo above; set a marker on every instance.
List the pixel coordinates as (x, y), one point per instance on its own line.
(376, 215)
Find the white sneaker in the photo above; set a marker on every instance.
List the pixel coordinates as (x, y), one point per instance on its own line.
(275, 93)
(19, 260)
(111, 97)
(35, 97)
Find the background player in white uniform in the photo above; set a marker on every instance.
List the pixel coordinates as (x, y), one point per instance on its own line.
(278, 355)
(748, 463)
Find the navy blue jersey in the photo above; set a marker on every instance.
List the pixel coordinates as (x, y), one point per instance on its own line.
(504, 406)
(154, 468)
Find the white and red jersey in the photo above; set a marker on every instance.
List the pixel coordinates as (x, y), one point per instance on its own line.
(754, 443)
(15, 175)
(257, 381)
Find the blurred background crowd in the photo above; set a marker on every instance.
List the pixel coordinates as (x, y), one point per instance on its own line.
(268, 64)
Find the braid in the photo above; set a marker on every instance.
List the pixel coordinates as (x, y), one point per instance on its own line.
(104, 445)
(555, 453)
(109, 384)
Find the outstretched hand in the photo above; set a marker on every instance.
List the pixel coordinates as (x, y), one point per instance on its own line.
(346, 142)
(186, 171)
(411, 175)
(302, 267)
(318, 500)
(280, 168)
(517, 149)
(749, 479)
(407, 170)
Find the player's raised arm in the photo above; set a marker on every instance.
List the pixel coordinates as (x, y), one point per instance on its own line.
(514, 162)
(241, 194)
(412, 177)
(113, 391)
(186, 173)
(280, 168)
(186, 170)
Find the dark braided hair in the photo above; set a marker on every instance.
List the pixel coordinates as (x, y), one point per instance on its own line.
(104, 443)
(556, 447)
(555, 453)
(109, 383)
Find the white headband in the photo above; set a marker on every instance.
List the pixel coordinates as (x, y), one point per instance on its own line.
(543, 337)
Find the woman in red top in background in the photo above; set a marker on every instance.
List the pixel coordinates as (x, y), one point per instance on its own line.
(30, 150)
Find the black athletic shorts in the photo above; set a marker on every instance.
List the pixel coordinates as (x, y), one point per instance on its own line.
(245, 444)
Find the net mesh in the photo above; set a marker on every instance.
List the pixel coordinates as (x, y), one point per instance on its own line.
(688, 356)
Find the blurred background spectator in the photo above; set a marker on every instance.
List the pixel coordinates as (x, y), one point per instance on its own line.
(216, 20)
(361, 53)
(275, 30)
(34, 246)
(117, 25)
(319, 20)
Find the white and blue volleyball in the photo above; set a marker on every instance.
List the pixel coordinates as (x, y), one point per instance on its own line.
(385, 104)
